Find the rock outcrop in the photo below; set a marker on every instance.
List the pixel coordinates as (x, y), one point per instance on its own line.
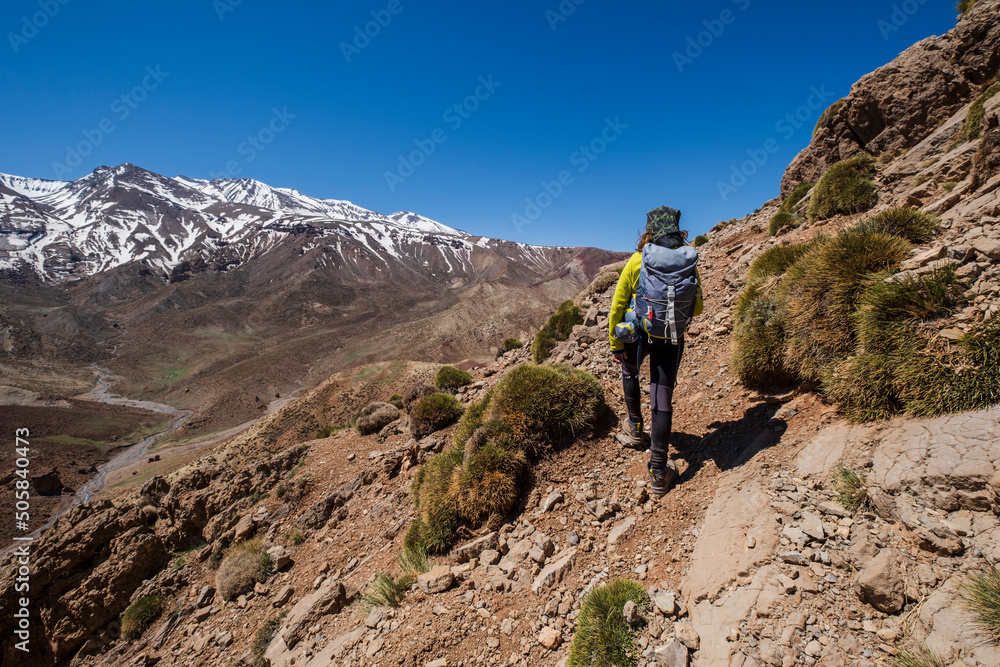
(898, 105)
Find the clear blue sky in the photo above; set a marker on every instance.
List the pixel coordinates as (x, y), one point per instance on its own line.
(200, 77)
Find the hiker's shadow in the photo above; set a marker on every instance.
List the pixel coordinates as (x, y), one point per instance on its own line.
(729, 444)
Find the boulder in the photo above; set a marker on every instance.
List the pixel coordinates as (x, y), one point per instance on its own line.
(328, 599)
(438, 580)
(881, 584)
(473, 549)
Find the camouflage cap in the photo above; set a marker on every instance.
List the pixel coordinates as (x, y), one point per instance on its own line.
(663, 221)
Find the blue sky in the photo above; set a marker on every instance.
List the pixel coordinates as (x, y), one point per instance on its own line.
(558, 123)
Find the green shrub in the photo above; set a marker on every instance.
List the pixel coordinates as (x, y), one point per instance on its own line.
(906, 222)
(139, 616)
(775, 260)
(845, 188)
(479, 479)
(437, 517)
(981, 596)
(820, 292)
(244, 565)
(973, 128)
(557, 329)
(451, 379)
(544, 406)
(375, 417)
(964, 6)
(757, 357)
(603, 638)
(296, 536)
(262, 639)
(511, 344)
(434, 412)
(387, 591)
(700, 240)
(472, 418)
(414, 561)
(890, 301)
(396, 400)
(827, 116)
(864, 387)
(782, 219)
(796, 196)
(489, 482)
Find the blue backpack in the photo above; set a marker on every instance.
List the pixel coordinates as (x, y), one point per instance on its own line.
(667, 291)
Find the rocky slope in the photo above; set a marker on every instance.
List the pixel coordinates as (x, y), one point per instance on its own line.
(750, 560)
(895, 107)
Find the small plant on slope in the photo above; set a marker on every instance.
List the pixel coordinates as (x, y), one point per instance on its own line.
(845, 188)
(139, 616)
(451, 379)
(557, 329)
(603, 638)
(386, 591)
(919, 656)
(434, 412)
(244, 565)
(981, 596)
(852, 490)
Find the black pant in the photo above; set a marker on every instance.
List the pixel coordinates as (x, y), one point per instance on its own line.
(664, 360)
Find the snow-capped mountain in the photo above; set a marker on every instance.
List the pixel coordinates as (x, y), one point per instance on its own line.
(123, 214)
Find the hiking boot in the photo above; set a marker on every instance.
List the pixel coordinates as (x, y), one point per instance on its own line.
(633, 436)
(660, 481)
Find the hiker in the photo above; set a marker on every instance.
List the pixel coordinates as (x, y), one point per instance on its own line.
(657, 295)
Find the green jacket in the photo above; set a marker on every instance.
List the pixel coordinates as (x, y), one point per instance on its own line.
(627, 284)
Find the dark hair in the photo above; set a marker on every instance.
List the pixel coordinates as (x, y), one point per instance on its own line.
(647, 237)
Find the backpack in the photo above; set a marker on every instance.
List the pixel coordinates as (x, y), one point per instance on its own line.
(667, 290)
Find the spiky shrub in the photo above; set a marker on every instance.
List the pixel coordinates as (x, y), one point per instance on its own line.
(946, 378)
(827, 116)
(973, 128)
(864, 386)
(511, 344)
(780, 220)
(262, 639)
(796, 196)
(820, 293)
(437, 510)
(244, 565)
(414, 561)
(602, 637)
(605, 278)
(758, 341)
(388, 591)
(488, 483)
(139, 616)
(700, 240)
(981, 596)
(451, 379)
(845, 188)
(852, 490)
(917, 656)
(544, 406)
(434, 412)
(397, 400)
(775, 261)
(531, 410)
(905, 222)
(557, 329)
(375, 417)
